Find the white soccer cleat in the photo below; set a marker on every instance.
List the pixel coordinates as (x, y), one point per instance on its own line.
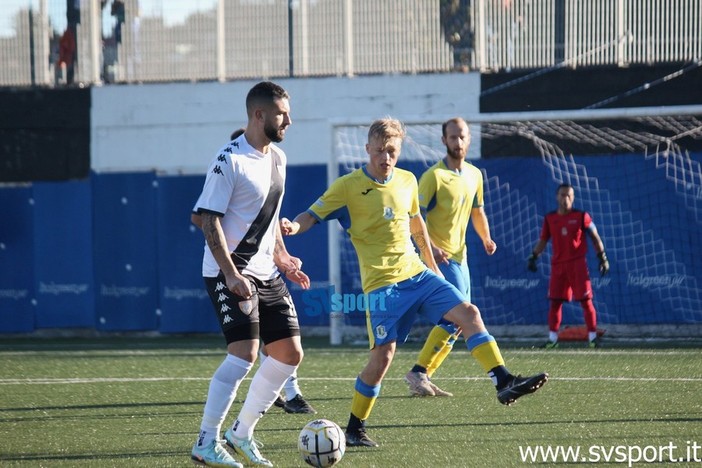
(213, 454)
(247, 448)
(419, 384)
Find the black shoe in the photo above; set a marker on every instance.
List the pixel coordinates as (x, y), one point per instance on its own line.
(359, 438)
(519, 386)
(279, 402)
(298, 405)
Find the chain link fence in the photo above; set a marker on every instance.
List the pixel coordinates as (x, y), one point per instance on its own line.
(84, 42)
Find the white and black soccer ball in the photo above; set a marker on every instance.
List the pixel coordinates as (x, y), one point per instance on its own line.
(321, 443)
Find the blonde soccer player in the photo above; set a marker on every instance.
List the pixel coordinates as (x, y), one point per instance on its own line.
(378, 206)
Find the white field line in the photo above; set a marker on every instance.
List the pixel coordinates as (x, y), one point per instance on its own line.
(361, 350)
(92, 380)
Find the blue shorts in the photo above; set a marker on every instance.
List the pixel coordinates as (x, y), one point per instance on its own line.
(424, 294)
(458, 275)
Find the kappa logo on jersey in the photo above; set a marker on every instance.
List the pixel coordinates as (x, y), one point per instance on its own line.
(217, 170)
(220, 286)
(235, 143)
(246, 307)
(365, 192)
(227, 319)
(224, 309)
(381, 332)
(222, 158)
(388, 213)
(222, 297)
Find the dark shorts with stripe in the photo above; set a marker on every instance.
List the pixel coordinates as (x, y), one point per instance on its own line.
(269, 314)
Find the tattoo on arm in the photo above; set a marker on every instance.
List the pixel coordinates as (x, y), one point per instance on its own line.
(211, 233)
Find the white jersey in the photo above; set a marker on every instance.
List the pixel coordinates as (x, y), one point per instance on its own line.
(245, 187)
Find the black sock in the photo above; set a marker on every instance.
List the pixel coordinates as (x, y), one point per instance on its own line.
(418, 368)
(354, 424)
(500, 376)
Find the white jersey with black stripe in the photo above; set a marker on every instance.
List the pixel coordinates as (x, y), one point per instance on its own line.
(237, 187)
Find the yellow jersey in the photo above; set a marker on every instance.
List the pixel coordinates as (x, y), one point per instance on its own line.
(376, 216)
(448, 198)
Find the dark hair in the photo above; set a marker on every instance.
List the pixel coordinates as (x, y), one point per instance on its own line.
(264, 93)
(237, 133)
(568, 186)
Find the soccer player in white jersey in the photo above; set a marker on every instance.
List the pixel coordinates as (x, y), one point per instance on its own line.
(244, 255)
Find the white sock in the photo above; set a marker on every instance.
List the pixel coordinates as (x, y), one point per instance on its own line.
(292, 389)
(223, 386)
(591, 335)
(265, 388)
(553, 336)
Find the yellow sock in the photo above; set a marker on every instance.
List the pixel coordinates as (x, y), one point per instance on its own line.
(440, 357)
(364, 397)
(435, 343)
(484, 349)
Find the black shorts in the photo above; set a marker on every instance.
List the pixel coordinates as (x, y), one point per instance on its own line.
(269, 314)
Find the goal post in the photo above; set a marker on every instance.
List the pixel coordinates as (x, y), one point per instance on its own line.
(637, 171)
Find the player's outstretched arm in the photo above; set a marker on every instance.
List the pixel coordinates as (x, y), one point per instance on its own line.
(302, 222)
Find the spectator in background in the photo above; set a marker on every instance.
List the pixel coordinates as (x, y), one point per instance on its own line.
(118, 12)
(67, 53)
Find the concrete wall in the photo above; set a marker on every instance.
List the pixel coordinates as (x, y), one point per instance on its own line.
(177, 127)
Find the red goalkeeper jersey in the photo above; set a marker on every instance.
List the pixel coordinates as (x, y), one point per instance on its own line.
(567, 234)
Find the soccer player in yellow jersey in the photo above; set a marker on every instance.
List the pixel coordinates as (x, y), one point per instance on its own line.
(450, 195)
(378, 206)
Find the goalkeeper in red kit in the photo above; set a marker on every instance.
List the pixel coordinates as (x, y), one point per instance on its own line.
(570, 279)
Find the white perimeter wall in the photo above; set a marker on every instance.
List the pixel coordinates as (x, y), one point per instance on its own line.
(177, 127)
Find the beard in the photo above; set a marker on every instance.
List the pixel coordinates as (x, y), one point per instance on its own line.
(457, 154)
(273, 133)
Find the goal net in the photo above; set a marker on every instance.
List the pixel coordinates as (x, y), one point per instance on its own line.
(637, 172)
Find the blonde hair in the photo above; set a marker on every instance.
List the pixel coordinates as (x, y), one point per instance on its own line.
(385, 129)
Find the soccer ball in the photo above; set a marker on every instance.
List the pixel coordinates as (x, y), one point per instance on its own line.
(321, 443)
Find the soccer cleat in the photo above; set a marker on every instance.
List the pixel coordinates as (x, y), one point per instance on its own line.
(359, 438)
(550, 345)
(594, 343)
(438, 391)
(519, 386)
(247, 448)
(298, 405)
(279, 402)
(213, 454)
(418, 384)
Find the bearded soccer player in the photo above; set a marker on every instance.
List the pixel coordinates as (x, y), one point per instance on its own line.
(242, 263)
(450, 196)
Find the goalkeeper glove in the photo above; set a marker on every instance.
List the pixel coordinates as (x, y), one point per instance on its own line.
(531, 262)
(604, 263)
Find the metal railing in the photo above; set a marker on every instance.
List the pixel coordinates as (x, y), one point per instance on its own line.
(180, 40)
(528, 34)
